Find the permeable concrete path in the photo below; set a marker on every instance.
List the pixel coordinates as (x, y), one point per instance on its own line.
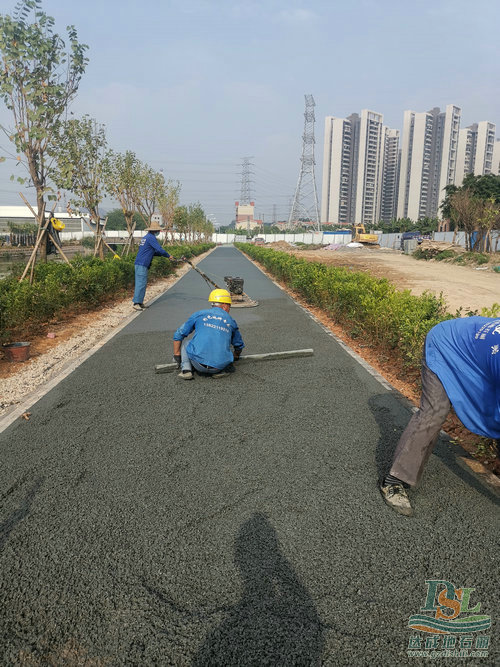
(146, 520)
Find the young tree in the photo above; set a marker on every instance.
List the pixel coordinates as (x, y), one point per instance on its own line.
(181, 221)
(196, 221)
(79, 167)
(465, 211)
(150, 188)
(489, 219)
(39, 76)
(122, 174)
(167, 203)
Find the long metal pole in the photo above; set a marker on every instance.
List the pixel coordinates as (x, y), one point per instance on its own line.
(268, 356)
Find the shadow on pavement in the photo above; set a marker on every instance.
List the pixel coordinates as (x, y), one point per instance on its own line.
(7, 526)
(276, 622)
(384, 406)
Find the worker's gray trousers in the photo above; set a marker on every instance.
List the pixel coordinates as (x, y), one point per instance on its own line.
(420, 436)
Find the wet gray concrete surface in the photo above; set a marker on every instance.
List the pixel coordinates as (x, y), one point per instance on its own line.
(149, 520)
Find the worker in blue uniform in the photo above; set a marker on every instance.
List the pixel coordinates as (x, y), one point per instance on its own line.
(209, 350)
(149, 247)
(461, 368)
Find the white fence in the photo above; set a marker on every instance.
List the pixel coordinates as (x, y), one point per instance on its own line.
(324, 238)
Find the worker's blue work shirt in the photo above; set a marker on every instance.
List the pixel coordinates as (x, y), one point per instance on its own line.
(465, 355)
(214, 332)
(148, 248)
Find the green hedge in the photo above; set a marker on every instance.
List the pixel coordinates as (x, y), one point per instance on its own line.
(370, 308)
(57, 287)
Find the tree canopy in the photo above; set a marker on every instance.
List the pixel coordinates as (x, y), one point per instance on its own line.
(117, 222)
(39, 76)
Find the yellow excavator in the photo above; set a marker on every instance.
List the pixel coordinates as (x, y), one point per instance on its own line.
(359, 235)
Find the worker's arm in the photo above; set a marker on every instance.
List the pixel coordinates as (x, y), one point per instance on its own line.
(237, 343)
(155, 244)
(181, 333)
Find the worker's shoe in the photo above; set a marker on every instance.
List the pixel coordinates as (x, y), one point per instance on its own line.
(186, 375)
(396, 497)
(137, 306)
(221, 374)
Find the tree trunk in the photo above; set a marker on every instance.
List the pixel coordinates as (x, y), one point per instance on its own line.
(129, 220)
(41, 222)
(98, 244)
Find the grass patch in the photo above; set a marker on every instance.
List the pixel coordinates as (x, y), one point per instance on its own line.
(472, 258)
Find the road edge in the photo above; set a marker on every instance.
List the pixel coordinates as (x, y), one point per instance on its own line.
(476, 468)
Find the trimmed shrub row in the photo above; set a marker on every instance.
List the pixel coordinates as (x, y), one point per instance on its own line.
(57, 287)
(371, 308)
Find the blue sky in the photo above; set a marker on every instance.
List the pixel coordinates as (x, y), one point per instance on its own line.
(192, 86)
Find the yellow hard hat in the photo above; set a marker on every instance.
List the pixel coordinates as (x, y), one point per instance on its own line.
(220, 296)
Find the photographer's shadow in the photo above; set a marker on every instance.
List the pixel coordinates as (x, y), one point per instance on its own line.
(276, 622)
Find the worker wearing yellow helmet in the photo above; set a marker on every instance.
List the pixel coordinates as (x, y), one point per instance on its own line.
(215, 332)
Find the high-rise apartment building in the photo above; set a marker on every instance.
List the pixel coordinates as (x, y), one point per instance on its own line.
(338, 154)
(447, 144)
(495, 163)
(369, 168)
(428, 161)
(356, 150)
(390, 174)
(476, 144)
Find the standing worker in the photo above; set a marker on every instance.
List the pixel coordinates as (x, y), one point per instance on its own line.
(149, 247)
(209, 350)
(460, 368)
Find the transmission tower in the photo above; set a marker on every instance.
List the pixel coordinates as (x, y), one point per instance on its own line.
(245, 195)
(305, 201)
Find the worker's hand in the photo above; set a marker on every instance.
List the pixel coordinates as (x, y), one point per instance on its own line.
(174, 259)
(236, 355)
(177, 360)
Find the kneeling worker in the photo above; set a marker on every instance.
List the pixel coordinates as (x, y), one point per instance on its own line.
(209, 350)
(461, 368)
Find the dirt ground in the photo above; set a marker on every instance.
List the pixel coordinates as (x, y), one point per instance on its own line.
(463, 287)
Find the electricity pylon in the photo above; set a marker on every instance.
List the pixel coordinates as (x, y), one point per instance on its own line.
(245, 194)
(305, 201)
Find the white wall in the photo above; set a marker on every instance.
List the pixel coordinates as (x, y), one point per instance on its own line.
(385, 240)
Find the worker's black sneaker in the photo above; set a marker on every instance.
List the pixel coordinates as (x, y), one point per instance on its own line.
(396, 497)
(186, 375)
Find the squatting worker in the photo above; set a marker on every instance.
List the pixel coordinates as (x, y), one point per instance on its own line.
(149, 247)
(460, 368)
(215, 331)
